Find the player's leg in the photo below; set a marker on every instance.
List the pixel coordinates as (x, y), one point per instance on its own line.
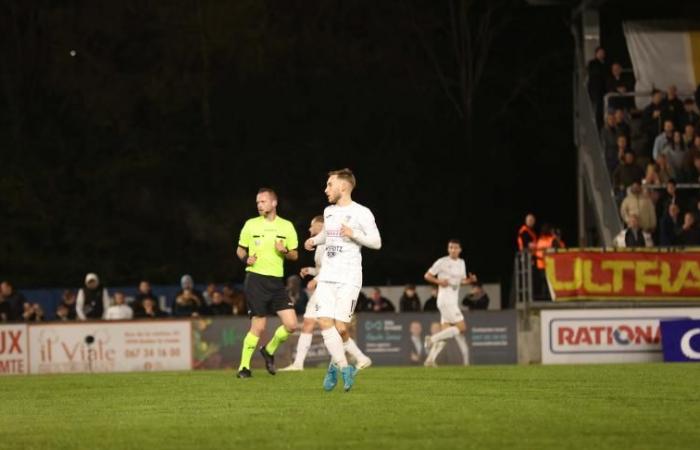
(349, 344)
(346, 300)
(326, 294)
(303, 344)
(436, 346)
(462, 341)
(280, 304)
(250, 343)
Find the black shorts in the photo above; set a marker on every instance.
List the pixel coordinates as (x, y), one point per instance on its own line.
(265, 295)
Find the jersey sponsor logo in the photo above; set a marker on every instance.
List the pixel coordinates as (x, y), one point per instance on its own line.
(333, 250)
(334, 233)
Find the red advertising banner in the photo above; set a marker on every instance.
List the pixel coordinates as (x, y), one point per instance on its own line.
(653, 274)
(13, 350)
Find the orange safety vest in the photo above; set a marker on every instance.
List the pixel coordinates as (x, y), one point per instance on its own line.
(528, 230)
(543, 243)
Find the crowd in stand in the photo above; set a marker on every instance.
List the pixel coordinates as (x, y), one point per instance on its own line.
(648, 152)
(95, 302)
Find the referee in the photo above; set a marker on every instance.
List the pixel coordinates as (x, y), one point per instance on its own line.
(265, 242)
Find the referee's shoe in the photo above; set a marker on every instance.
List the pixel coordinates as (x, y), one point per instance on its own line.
(269, 361)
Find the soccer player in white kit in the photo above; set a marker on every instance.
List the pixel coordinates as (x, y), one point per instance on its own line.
(449, 273)
(348, 226)
(310, 314)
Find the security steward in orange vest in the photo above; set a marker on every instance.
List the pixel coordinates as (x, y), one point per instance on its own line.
(526, 234)
(548, 239)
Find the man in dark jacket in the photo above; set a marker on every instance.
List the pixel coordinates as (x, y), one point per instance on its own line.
(14, 301)
(409, 301)
(670, 227)
(597, 72)
(478, 299)
(380, 303)
(431, 303)
(93, 299)
(628, 172)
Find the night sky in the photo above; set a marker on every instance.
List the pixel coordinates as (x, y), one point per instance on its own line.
(139, 155)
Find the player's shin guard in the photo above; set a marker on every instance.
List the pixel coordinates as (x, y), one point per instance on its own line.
(303, 346)
(334, 344)
(447, 333)
(249, 344)
(463, 347)
(281, 335)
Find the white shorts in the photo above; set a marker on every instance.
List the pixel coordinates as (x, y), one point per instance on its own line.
(449, 312)
(311, 307)
(336, 300)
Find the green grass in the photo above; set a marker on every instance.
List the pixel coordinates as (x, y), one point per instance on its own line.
(535, 407)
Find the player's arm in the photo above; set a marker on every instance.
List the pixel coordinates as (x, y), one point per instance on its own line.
(289, 248)
(433, 279)
(242, 249)
(319, 239)
(368, 233)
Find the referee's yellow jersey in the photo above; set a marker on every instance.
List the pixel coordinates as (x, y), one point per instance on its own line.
(259, 236)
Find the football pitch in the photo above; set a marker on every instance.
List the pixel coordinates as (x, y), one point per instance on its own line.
(535, 407)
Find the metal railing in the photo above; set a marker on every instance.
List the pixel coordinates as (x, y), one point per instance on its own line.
(522, 274)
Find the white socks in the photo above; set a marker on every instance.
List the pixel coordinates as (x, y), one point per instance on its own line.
(353, 350)
(434, 351)
(444, 334)
(463, 347)
(303, 346)
(334, 345)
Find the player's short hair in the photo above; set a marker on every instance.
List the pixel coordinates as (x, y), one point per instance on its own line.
(270, 191)
(344, 174)
(318, 218)
(454, 241)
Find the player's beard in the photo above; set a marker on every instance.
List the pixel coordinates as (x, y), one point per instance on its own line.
(333, 198)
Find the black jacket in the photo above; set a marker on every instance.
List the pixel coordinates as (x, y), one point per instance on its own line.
(476, 303)
(409, 304)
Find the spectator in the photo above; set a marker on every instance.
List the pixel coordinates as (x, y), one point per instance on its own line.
(236, 299)
(676, 154)
(673, 105)
(637, 203)
(144, 291)
(5, 310)
(653, 117)
(296, 294)
(417, 349)
(218, 307)
(409, 301)
(664, 139)
(597, 74)
(380, 303)
(188, 301)
(149, 310)
(431, 303)
(15, 301)
(627, 173)
(67, 305)
(614, 159)
(666, 173)
(688, 137)
(93, 299)
(32, 312)
(691, 173)
(526, 234)
(62, 313)
(633, 236)
(690, 235)
(651, 177)
(477, 299)
(363, 303)
(621, 125)
(670, 227)
(546, 241)
(608, 139)
(120, 310)
(670, 196)
(209, 293)
(689, 115)
(617, 82)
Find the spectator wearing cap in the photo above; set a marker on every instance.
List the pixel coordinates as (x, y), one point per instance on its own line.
(637, 203)
(628, 172)
(188, 301)
(477, 299)
(14, 302)
(120, 310)
(409, 301)
(689, 115)
(93, 299)
(633, 235)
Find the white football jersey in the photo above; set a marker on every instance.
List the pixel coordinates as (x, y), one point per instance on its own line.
(342, 259)
(452, 270)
